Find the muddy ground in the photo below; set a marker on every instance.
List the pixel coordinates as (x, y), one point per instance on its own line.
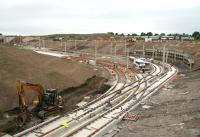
(174, 111)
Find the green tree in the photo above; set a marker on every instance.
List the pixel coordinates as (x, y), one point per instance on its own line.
(162, 34)
(196, 35)
(149, 34)
(142, 34)
(134, 34)
(110, 33)
(122, 34)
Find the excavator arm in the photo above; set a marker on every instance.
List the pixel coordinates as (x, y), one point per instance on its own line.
(21, 87)
(47, 102)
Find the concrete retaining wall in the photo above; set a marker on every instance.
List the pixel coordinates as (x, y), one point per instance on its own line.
(172, 55)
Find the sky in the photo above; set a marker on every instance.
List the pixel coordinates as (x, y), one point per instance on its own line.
(41, 17)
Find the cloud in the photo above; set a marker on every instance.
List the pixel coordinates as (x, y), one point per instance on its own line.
(89, 16)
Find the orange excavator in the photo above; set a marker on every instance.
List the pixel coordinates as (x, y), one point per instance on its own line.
(46, 102)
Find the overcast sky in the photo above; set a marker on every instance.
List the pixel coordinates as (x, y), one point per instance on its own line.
(31, 17)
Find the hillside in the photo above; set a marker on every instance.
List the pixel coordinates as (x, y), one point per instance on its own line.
(48, 71)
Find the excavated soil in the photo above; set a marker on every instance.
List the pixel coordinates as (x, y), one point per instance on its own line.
(174, 111)
(48, 71)
(93, 87)
(74, 81)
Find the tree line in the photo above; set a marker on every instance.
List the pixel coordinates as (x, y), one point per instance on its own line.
(195, 34)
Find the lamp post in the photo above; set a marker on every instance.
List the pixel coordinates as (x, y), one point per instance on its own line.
(95, 51)
(163, 59)
(44, 44)
(65, 48)
(125, 47)
(39, 43)
(112, 48)
(143, 52)
(75, 44)
(127, 59)
(61, 43)
(153, 53)
(115, 52)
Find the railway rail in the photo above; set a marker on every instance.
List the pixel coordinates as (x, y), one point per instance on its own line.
(98, 112)
(87, 129)
(43, 134)
(118, 113)
(36, 130)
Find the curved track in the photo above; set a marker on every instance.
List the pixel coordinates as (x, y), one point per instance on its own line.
(86, 109)
(98, 114)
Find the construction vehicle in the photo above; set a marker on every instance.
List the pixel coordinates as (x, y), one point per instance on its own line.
(46, 102)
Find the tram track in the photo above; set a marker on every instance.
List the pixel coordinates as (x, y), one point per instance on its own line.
(123, 92)
(129, 89)
(39, 126)
(150, 90)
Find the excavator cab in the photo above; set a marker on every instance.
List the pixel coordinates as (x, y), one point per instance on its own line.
(50, 98)
(51, 102)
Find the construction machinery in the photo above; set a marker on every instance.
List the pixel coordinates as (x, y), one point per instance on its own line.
(46, 102)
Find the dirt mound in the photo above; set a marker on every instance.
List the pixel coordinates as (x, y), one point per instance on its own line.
(48, 71)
